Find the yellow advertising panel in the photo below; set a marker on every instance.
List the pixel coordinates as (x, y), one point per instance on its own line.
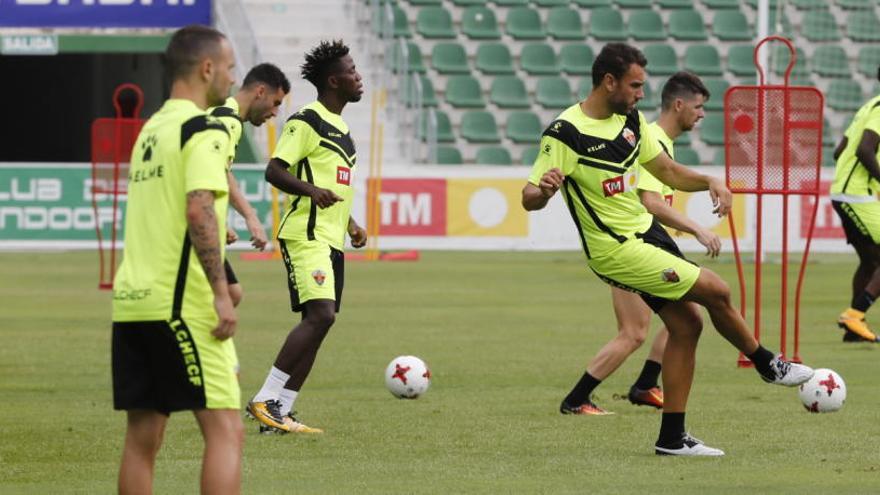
(485, 207)
(698, 207)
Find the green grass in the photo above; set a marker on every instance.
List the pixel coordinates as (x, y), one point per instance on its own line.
(505, 334)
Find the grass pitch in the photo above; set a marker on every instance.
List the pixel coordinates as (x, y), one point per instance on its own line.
(505, 334)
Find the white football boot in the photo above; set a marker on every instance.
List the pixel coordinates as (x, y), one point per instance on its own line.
(689, 446)
(787, 374)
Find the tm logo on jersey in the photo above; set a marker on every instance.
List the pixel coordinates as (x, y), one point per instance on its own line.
(343, 176)
(619, 184)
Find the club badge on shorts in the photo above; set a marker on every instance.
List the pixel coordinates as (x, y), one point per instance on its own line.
(669, 275)
(319, 276)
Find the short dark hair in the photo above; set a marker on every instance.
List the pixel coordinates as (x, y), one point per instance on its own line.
(267, 74)
(615, 59)
(188, 46)
(680, 85)
(321, 60)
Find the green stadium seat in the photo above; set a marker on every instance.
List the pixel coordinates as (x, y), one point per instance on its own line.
(712, 129)
(686, 155)
(434, 23)
(717, 88)
(399, 26)
(422, 3)
(606, 24)
(529, 155)
(550, 3)
(480, 23)
(731, 25)
(646, 25)
(844, 94)
(448, 155)
(478, 126)
(554, 92)
(591, 4)
(493, 155)
(584, 88)
(511, 3)
(686, 25)
(524, 23)
(810, 4)
(780, 57)
(830, 61)
(494, 58)
(633, 4)
(662, 60)
(703, 60)
(828, 157)
(721, 4)
(827, 138)
(856, 4)
(450, 58)
(564, 23)
(819, 25)
(469, 3)
(740, 60)
(718, 158)
(863, 26)
(684, 139)
(675, 4)
(444, 127)
(509, 92)
(651, 100)
(869, 61)
(576, 59)
(539, 58)
(524, 127)
(464, 92)
(429, 97)
(754, 4)
(414, 56)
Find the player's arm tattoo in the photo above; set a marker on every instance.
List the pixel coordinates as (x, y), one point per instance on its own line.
(204, 234)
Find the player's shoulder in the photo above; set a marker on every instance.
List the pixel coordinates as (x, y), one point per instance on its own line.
(200, 122)
(309, 115)
(564, 127)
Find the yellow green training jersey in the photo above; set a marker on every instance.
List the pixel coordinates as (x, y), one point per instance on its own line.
(180, 149)
(317, 147)
(228, 114)
(601, 163)
(851, 179)
(647, 181)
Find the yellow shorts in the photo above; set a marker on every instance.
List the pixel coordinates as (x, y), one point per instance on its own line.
(315, 270)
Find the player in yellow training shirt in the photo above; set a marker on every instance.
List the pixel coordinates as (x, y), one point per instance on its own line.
(682, 107)
(594, 152)
(854, 198)
(257, 101)
(173, 319)
(313, 163)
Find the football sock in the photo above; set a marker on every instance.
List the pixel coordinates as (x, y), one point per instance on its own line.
(287, 398)
(761, 359)
(648, 378)
(862, 301)
(581, 392)
(272, 386)
(671, 428)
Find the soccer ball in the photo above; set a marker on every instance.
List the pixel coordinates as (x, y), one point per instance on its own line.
(407, 377)
(825, 392)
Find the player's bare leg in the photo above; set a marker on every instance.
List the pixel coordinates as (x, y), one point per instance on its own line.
(865, 288)
(224, 439)
(301, 347)
(143, 437)
(645, 392)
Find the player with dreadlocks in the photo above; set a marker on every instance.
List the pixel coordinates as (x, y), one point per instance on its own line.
(313, 163)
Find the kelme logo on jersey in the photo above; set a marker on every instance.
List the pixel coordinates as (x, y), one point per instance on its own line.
(669, 275)
(319, 276)
(343, 176)
(630, 136)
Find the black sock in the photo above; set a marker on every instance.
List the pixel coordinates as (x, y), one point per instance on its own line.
(671, 429)
(581, 392)
(862, 301)
(648, 378)
(761, 359)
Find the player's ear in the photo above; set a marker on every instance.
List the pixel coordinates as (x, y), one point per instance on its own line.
(207, 69)
(332, 82)
(609, 81)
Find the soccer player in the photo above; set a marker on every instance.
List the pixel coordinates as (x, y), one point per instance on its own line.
(853, 198)
(257, 101)
(593, 151)
(681, 108)
(313, 163)
(173, 319)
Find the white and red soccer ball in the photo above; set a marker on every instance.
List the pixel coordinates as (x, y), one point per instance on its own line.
(825, 392)
(407, 377)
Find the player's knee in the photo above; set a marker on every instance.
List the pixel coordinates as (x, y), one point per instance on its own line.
(716, 292)
(633, 337)
(322, 319)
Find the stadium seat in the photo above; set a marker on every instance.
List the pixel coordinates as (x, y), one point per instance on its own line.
(584, 88)
(480, 23)
(662, 60)
(550, 3)
(856, 4)
(434, 23)
(675, 4)
(779, 62)
(509, 92)
(703, 60)
(591, 4)
(448, 155)
(721, 4)
(828, 157)
(429, 97)
(576, 59)
(444, 127)
(844, 94)
(449, 58)
(740, 60)
(554, 92)
(421, 3)
(633, 4)
(827, 138)
(731, 25)
(510, 3)
(529, 155)
(564, 23)
(399, 26)
(686, 155)
(717, 88)
(869, 61)
(712, 129)
(651, 101)
(863, 26)
(684, 139)
(414, 56)
(830, 61)
(754, 4)
(539, 58)
(469, 3)
(606, 24)
(718, 158)
(810, 4)
(493, 155)
(819, 25)
(478, 126)
(524, 127)
(646, 25)
(524, 23)
(494, 58)
(686, 25)
(464, 92)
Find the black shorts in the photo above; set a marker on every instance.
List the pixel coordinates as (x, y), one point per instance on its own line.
(657, 236)
(230, 275)
(856, 231)
(150, 369)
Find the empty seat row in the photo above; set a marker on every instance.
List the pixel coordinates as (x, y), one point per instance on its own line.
(500, 155)
(625, 4)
